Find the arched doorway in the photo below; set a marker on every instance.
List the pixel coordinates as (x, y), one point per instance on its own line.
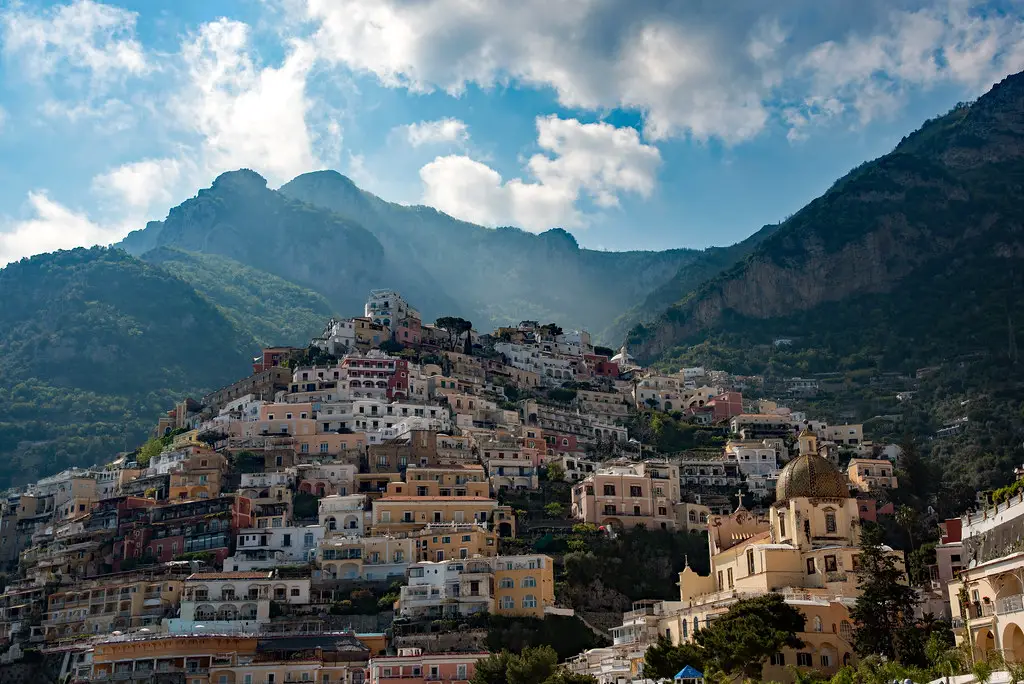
(1013, 643)
(984, 643)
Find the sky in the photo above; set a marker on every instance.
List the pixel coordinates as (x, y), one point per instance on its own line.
(639, 124)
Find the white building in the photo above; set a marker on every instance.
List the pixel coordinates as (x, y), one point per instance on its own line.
(338, 337)
(268, 547)
(234, 601)
(387, 306)
(344, 515)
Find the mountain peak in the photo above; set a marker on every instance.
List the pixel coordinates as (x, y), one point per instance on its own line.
(242, 179)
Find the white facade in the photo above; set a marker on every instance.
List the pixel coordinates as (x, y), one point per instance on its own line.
(387, 307)
(343, 515)
(338, 337)
(267, 547)
(240, 599)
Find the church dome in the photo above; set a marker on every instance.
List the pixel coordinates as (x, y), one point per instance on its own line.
(811, 476)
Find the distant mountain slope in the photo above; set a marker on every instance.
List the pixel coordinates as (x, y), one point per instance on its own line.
(506, 274)
(94, 344)
(267, 308)
(913, 255)
(238, 217)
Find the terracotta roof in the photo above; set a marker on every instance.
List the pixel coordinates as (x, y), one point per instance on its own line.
(230, 575)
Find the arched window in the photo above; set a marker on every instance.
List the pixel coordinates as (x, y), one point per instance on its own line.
(508, 603)
(830, 521)
(817, 623)
(332, 524)
(685, 626)
(696, 624)
(845, 630)
(529, 601)
(529, 582)
(507, 583)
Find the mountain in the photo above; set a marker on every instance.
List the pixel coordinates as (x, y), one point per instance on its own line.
(507, 274)
(265, 307)
(94, 344)
(238, 217)
(908, 259)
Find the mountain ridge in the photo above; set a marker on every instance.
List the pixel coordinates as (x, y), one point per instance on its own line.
(945, 192)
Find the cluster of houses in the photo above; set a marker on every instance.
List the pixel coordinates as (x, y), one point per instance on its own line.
(229, 553)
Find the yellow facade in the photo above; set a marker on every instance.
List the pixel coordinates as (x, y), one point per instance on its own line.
(445, 542)
(194, 655)
(806, 550)
(523, 585)
(200, 476)
(122, 601)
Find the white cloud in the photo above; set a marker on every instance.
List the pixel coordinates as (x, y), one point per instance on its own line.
(689, 68)
(447, 130)
(141, 185)
(51, 227)
(597, 160)
(247, 116)
(85, 38)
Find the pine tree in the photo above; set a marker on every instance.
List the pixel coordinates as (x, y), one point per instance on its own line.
(884, 612)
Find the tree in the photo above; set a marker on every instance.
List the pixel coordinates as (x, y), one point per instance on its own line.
(741, 641)
(555, 472)
(532, 665)
(554, 510)
(884, 612)
(149, 450)
(906, 517)
(663, 660)
(455, 327)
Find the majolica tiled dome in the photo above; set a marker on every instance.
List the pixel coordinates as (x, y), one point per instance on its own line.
(811, 476)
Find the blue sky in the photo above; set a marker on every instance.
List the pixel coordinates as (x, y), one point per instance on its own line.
(646, 124)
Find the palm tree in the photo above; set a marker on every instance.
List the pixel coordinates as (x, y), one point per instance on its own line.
(906, 517)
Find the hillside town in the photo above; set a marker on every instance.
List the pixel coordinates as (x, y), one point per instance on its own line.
(357, 511)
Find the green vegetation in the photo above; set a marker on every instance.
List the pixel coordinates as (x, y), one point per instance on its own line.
(736, 644)
(95, 345)
(884, 613)
(271, 310)
(534, 665)
(566, 635)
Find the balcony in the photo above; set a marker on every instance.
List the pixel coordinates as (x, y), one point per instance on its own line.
(1009, 604)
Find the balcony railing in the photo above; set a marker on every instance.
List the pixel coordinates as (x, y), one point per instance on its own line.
(1010, 604)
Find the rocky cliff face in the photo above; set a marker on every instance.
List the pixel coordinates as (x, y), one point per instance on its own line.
(952, 190)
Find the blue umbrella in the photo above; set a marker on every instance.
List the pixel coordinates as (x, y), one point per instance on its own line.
(689, 673)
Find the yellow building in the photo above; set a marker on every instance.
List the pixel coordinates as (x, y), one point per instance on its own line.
(200, 475)
(871, 474)
(444, 542)
(806, 550)
(524, 585)
(409, 507)
(119, 601)
(193, 656)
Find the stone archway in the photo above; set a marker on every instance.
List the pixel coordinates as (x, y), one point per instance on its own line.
(1013, 643)
(984, 643)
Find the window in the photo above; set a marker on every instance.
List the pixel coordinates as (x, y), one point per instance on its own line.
(782, 526)
(729, 575)
(460, 671)
(803, 659)
(854, 562)
(529, 582)
(609, 509)
(750, 561)
(508, 603)
(305, 448)
(817, 623)
(778, 659)
(507, 583)
(294, 591)
(307, 540)
(811, 569)
(845, 630)
(634, 490)
(247, 679)
(720, 584)
(223, 679)
(286, 540)
(609, 490)
(830, 522)
(323, 447)
(529, 601)
(826, 661)
(830, 564)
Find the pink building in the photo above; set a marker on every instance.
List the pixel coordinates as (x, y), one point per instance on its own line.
(624, 495)
(725, 406)
(408, 331)
(413, 666)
